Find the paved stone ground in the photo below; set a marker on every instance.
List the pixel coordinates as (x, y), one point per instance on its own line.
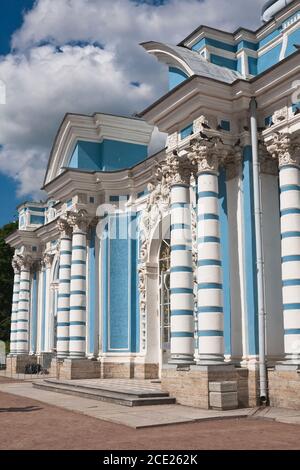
(136, 417)
(30, 424)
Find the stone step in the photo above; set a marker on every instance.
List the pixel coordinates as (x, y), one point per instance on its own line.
(125, 398)
(137, 391)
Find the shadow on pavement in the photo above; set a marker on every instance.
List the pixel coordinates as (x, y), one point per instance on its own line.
(24, 409)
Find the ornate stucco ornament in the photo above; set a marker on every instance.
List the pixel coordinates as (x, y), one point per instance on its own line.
(285, 148)
(208, 154)
(15, 265)
(204, 122)
(47, 260)
(24, 261)
(78, 220)
(63, 226)
(280, 115)
(176, 169)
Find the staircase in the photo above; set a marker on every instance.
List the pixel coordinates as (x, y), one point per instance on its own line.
(121, 392)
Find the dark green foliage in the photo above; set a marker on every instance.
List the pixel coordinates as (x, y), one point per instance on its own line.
(6, 281)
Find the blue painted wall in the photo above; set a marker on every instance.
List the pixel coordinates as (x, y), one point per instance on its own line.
(44, 281)
(108, 155)
(92, 293)
(34, 304)
(257, 64)
(188, 130)
(224, 61)
(250, 253)
(120, 286)
(37, 219)
(268, 59)
(225, 256)
(294, 38)
(176, 77)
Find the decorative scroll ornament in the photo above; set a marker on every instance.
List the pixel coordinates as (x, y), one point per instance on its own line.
(15, 265)
(280, 115)
(47, 260)
(208, 155)
(64, 227)
(78, 220)
(267, 163)
(175, 169)
(194, 240)
(284, 148)
(158, 203)
(143, 303)
(172, 140)
(24, 261)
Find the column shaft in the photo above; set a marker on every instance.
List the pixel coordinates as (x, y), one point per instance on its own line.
(289, 178)
(14, 314)
(63, 309)
(209, 272)
(181, 276)
(78, 295)
(23, 311)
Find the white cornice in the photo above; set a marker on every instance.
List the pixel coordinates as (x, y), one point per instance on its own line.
(200, 94)
(94, 128)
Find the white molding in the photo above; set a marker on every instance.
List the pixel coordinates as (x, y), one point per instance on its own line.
(94, 128)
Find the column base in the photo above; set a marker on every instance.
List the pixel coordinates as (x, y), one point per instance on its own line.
(290, 362)
(190, 385)
(71, 369)
(211, 360)
(181, 360)
(17, 364)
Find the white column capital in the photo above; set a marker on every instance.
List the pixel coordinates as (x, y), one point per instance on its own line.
(207, 154)
(176, 169)
(284, 147)
(64, 227)
(24, 262)
(79, 221)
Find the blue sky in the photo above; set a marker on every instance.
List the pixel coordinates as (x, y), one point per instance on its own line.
(10, 20)
(59, 56)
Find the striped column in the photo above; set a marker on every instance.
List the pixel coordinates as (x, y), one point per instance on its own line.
(289, 180)
(181, 271)
(63, 306)
(14, 313)
(77, 329)
(33, 311)
(22, 336)
(209, 271)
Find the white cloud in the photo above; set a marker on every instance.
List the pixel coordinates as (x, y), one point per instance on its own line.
(46, 77)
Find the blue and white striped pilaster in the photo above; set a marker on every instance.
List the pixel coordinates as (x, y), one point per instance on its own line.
(289, 180)
(63, 301)
(77, 328)
(33, 313)
(22, 336)
(181, 277)
(209, 272)
(14, 313)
